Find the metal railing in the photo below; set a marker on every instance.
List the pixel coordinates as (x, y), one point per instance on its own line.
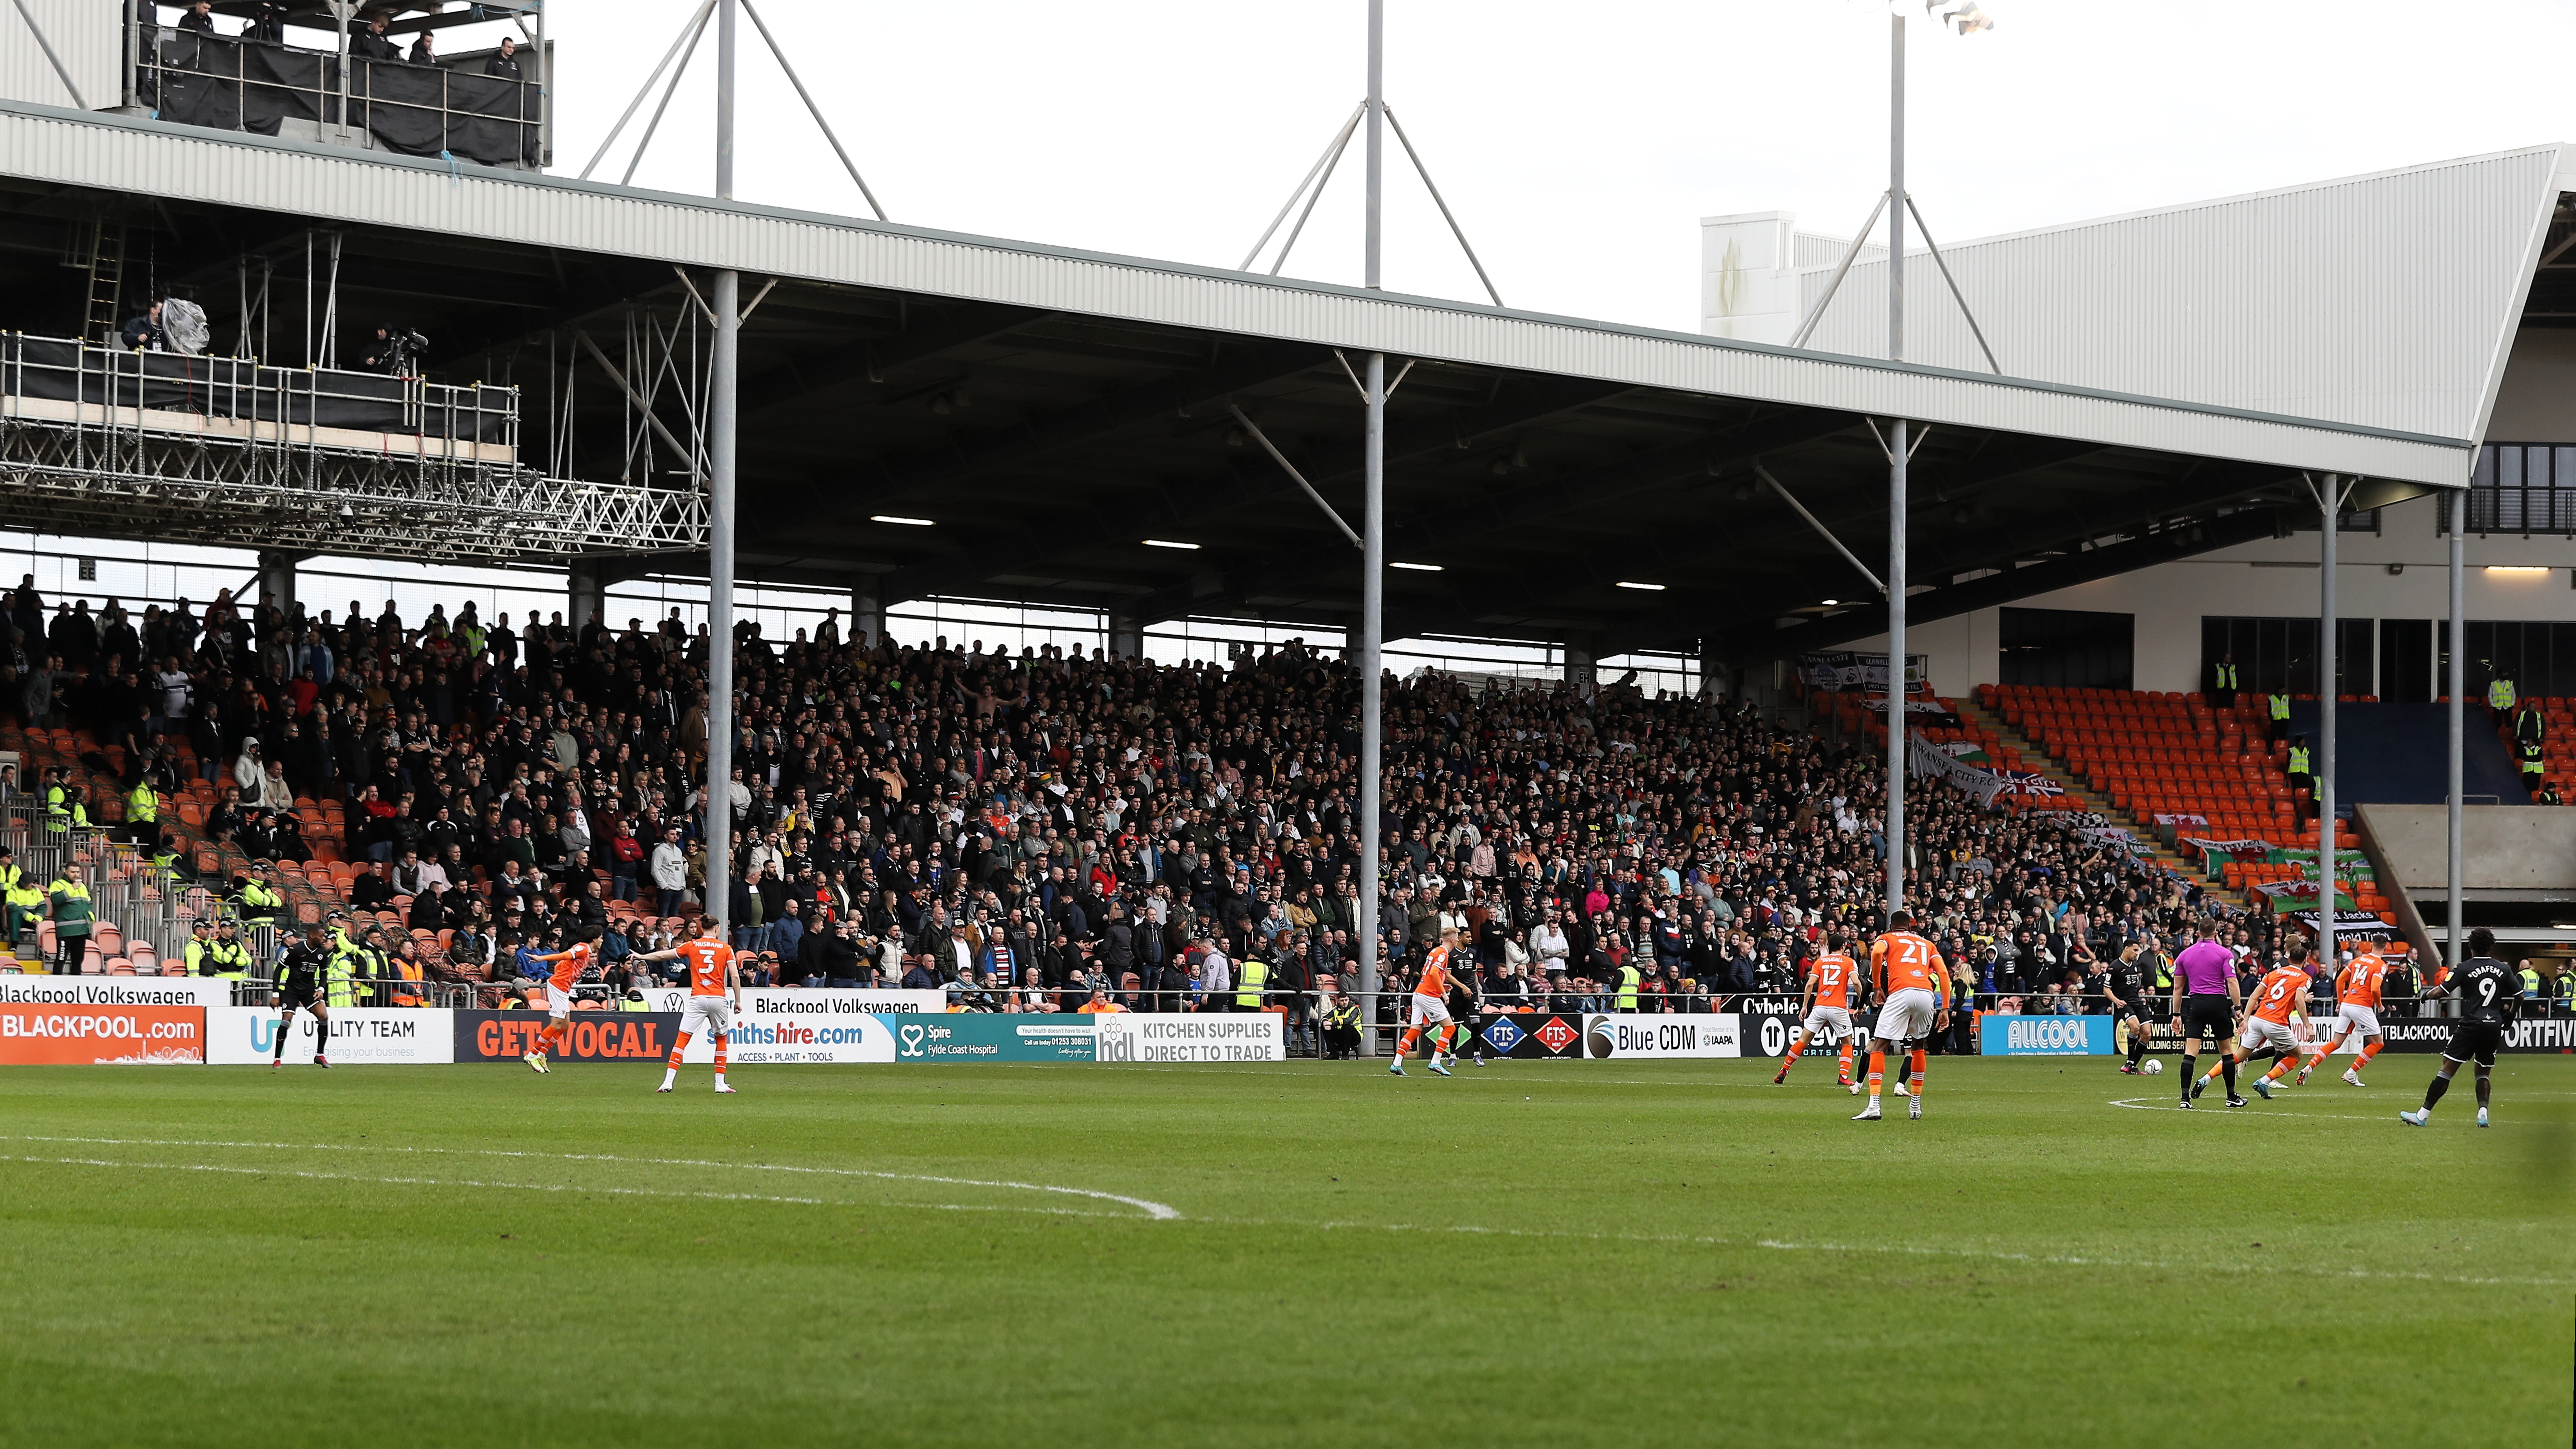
(143, 903)
(117, 392)
(367, 991)
(426, 110)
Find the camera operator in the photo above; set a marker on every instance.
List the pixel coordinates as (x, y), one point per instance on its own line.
(395, 352)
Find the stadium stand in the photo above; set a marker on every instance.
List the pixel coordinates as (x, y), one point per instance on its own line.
(1020, 830)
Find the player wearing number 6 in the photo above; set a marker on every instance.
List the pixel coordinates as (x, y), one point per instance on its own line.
(2488, 993)
(715, 987)
(1913, 988)
(2267, 1027)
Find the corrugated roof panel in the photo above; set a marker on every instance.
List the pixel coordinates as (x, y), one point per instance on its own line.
(285, 177)
(86, 36)
(2386, 301)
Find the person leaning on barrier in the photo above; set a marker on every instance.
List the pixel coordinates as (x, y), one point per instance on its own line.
(200, 17)
(424, 50)
(228, 954)
(260, 900)
(373, 44)
(143, 814)
(505, 61)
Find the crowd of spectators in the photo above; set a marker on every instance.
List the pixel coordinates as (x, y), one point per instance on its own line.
(1029, 831)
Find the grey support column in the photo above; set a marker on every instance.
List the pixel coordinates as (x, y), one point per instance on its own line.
(723, 437)
(867, 613)
(2329, 507)
(2457, 689)
(277, 577)
(1582, 669)
(1898, 441)
(1126, 634)
(586, 593)
(1372, 549)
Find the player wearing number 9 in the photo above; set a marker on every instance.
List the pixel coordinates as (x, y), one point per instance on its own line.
(2488, 994)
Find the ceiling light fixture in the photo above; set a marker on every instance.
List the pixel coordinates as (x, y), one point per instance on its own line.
(898, 518)
(1829, 603)
(1650, 588)
(1168, 543)
(2515, 569)
(1417, 567)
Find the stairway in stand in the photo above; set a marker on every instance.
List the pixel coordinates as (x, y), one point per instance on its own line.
(2034, 757)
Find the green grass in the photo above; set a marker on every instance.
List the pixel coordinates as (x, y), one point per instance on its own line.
(1534, 1253)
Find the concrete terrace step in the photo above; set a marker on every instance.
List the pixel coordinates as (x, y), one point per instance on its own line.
(2036, 758)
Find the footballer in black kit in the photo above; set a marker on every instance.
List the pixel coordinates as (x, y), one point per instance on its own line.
(300, 974)
(2129, 987)
(2489, 994)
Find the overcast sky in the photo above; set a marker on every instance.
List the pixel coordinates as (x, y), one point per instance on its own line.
(1578, 145)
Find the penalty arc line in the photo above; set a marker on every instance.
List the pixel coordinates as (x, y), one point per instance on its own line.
(1159, 1212)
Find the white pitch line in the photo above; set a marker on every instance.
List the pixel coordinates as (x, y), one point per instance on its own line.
(2142, 1104)
(946, 1207)
(1694, 1240)
(1160, 1212)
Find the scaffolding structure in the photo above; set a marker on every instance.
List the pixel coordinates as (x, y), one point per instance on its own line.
(97, 440)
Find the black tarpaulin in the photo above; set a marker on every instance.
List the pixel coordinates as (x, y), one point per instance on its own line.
(416, 110)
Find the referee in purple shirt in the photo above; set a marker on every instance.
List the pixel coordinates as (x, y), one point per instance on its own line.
(2204, 1008)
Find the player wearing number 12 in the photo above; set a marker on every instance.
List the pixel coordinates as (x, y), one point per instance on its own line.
(1828, 1009)
(1913, 986)
(715, 985)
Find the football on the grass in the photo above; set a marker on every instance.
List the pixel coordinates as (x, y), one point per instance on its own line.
(2153, 1067)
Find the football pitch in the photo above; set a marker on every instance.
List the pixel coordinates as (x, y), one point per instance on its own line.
(1551, 1253)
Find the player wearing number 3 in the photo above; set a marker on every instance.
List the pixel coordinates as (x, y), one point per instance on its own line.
(715, 987)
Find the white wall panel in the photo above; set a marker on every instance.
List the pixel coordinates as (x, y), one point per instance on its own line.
(2387, 301)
